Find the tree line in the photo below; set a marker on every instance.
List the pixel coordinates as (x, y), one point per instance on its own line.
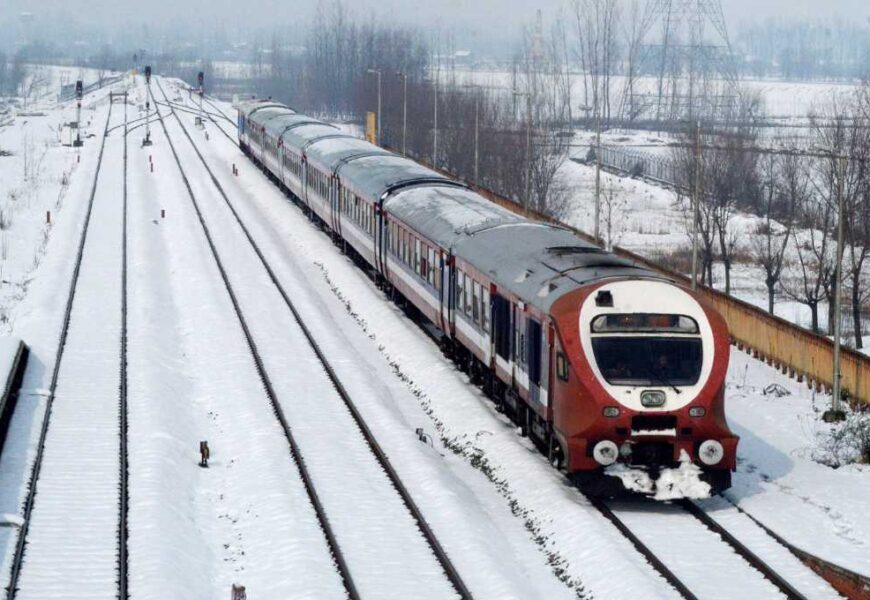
(796, 189)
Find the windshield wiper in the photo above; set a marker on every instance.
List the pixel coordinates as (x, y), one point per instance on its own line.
(665, 381)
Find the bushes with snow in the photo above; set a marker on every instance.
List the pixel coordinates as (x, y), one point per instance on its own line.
(844, 443)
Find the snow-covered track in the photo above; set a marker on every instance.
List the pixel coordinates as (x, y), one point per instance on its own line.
(688, 547)
(72, 543)
(845, 581)
(264, 377)
(449, 569)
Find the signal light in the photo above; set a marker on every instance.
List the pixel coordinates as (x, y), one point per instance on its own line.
(611, 412)
(697, 411)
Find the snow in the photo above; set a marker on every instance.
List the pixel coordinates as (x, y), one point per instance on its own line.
(577, 541)
(514, 526)
(819, 509)
(689, 549)
(782, 99)
(671, 484)
(36, 308)
(8, 351)
(10, 520)
(465, 422)
(71, 542)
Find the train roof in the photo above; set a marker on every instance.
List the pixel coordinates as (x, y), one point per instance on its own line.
(445, 214)
(299, 137)
(257, 104)
(539, 262)
(276, 123)
(372, 176)
(331, 151)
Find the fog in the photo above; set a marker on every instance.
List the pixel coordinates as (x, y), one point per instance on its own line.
(493, 20)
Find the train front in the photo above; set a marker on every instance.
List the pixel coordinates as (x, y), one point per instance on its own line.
(644, 399)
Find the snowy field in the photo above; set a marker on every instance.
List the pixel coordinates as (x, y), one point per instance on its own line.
(782, 99)
(511, 523)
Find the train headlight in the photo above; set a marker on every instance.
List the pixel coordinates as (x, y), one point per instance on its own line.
(711, 452)
(611, 412)
(605, 453)
(652, 398)
(697, 411)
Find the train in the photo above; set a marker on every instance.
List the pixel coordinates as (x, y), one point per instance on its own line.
(600, 361)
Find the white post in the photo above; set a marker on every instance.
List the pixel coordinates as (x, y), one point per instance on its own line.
(404, 111)
(435, 136)
(598, 174)
(476, 137)
(379, 109)
(696, 212)
(836, 413)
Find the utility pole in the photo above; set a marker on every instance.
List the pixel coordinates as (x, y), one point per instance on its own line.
(378, 73)
(404, 111)
(474, 88)
(528, 150)
(836, 413)
(587, 109)
(597, 171)
(435, 136)
(528, 147)
(696, 208)
(476, 138)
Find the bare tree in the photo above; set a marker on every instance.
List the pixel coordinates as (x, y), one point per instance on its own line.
(596, 25)
(785, 186)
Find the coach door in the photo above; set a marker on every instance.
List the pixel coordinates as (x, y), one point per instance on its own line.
(502, 331)
(534, 356)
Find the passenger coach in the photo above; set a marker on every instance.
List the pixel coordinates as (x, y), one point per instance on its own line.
(598, 360)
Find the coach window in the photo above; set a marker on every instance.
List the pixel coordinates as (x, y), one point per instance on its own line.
(460, 285)
(424, 262)
(416, 256)
(469, 283)
(475, 303)
(438, 272)
(430, 275)
(484, 309)
(561, 366)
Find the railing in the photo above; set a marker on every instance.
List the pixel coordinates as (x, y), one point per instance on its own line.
(639, 164)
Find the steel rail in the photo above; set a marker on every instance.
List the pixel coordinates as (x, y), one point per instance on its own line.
(825, 568)
(745, 553)
(123, 531)
(21, 545)
(645, 550)
(449, 569)
(322, 518)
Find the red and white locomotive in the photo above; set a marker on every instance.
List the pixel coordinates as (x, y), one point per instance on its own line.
(599, 361)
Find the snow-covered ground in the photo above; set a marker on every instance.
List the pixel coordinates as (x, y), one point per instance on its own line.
(651, 221)
(474, 431)
(514, 526)
(782, 99)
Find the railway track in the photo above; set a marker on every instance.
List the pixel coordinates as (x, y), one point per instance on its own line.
(695, 539)
(69, 543)
(322, 477)
(772, 581)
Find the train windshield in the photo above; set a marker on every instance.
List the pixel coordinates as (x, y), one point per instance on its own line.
(648, 360)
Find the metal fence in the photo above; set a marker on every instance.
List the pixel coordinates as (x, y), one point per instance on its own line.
(638, 163)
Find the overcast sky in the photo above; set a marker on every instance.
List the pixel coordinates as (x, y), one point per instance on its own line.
(489, 17)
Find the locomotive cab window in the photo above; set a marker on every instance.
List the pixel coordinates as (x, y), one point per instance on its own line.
(667, 361)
